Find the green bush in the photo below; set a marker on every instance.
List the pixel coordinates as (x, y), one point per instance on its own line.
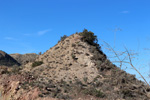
(16, 70)
(63, 38)
(89, 37)
(37, 63)
(94, 92)
(4, 70)
(73, 56)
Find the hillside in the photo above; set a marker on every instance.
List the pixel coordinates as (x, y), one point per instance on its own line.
(7, 60)
(24, 58)
(74, 69)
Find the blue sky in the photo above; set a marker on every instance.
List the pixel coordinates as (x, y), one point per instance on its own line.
(28, 26)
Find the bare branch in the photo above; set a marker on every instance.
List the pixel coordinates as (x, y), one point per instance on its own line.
(126, 60)
(134, 67)
(114, 52)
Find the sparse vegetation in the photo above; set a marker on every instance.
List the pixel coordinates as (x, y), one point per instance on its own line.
(73, 56)
(4, 70)
(85, 79)
(37, 63)
(73, 45)
(15, 70)
(94, 92)
(10, 71)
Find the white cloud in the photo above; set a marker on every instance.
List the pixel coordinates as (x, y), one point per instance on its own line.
(43, 32)
(9, 38)
(125, 12)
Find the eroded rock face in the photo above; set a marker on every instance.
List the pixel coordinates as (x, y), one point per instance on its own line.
(10, 89)
(6, 60)
(70, 60)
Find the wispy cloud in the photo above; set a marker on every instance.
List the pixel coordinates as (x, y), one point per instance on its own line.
(124, 12)
(9, 38)
(44, 32)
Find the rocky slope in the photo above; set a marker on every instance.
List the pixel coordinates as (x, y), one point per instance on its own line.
(7, 60)
(71, 70)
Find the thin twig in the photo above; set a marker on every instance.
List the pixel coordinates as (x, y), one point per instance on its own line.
(123, 60)
(114, 52)
(130, 62)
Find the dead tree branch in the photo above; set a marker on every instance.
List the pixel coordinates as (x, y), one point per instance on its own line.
(122, 61)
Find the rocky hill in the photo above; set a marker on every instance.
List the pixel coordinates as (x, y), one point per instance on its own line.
(74, 69)
(7, 60)
(24, 58)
